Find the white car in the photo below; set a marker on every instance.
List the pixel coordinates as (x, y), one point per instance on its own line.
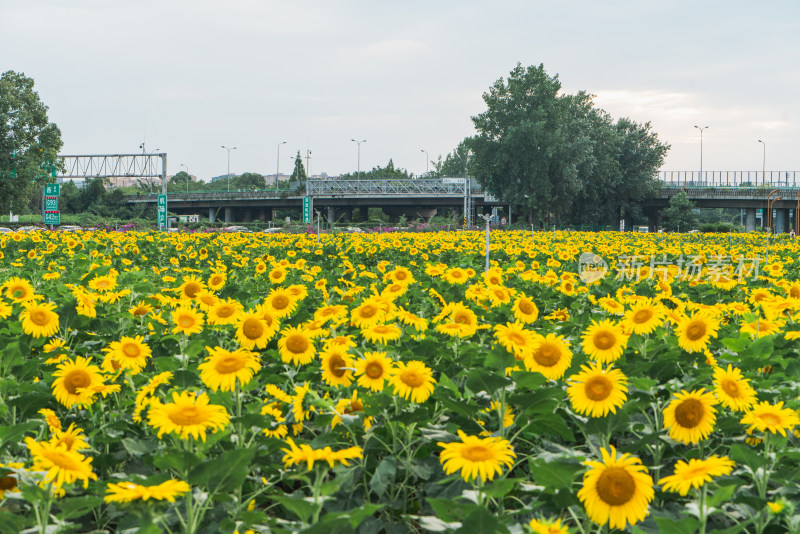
(237, 229)
(4, 230)
(69, 228)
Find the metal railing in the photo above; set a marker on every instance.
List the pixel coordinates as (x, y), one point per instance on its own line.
(423, 187)
(731, 178)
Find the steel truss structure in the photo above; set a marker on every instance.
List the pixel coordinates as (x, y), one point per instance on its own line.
(373, 188)
(135, 166)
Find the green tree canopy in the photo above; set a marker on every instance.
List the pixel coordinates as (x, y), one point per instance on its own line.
(680, 215)
(249, 180)
(556, 155)
(299, 172)
(389, 172)
(29, 142)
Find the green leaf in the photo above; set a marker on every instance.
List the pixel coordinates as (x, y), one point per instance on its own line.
(138, 447)
(554, 474)
(667, 525)
(484, 380)
(224, 473)
(178, 461)
(78, 506)
(298, 506)
(498, 358)
(11, 523)
(743, 454)
(330, 524)
(500, 487)
(383, 476)
(13, 433)
(721, 494)
(481, 520)
(549, 424)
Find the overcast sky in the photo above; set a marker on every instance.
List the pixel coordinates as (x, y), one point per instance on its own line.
(190, 76)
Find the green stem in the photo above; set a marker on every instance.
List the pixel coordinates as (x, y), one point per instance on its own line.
(701, 507)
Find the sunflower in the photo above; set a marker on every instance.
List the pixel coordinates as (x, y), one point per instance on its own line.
(102, 283)
(337, 366)
(611, 306)
(130, 353)
(305, 454)
(456, 275)
(400, 275)
(771, 417)
(225, 311)
(617, 490)
(191, 287)
(50, 417)
(595, 391)
(75, 380)
(732, 389)
(223, 368)
(368, 313)
(476, 457)
(690, 417)
(381, 333)
(525, 310)
(277, 275)
(333, 312)
(349, 407)
(62, 466)
(295, 346)
(499, 295)
(414, 380)
(252, 331)
(515, 339)
(141, 309)
(696, 331)
(72, 438)
(281, 302)
(187, 415)
(548, 526)
(643, 317)
(373, 370)
(604, 341)
(8, 481)
(18, 290)
(550, 356)
(187, 321)
(39, 319)
(217, 281)
(696, 473)
(128, 491)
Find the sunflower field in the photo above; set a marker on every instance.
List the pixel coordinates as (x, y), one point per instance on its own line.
(390, 383)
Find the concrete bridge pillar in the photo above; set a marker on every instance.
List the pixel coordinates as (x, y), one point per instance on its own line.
(228, 215)
(212, 214)
(248, 215)
(331, 214)
(750, 220)
(363, 213)
(781, 217)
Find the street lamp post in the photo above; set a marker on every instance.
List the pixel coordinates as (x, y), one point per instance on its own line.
(358, 172)
(278, 164)
(187, 177)
(427, 157)
(229, 165)
(763, 163)
(701, 149)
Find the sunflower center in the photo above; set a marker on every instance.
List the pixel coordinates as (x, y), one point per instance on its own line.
(7, 483)
(297, 343)
(412, 379)
(689, 413)
(381, 329)
(462, 318)
(525, 307)
(604, 340)
(547, 355)
(216, 280)
(770, 419)
(456, 274)
(374, 370)
(186, 321)
(368, 311)
(18, 293)
(598, 388)
(225, 311)
(400, 275)
(794, 292)
(696, 330)
(76, 379)
(477, 453)
(38, 317)
(335, 364)
(102, 283)
(229, 364)
(516, 339)
(280, 302)
(642, 316)
(138, 312)
(192, 289)
(616, 486)
(731, 387)
(252, 328)
(131, 350)
(186, 415)
(355, 406)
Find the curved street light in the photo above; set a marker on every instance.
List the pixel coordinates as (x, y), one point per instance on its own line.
(358, 172)
(763, 163)
(701, 149)
(229, 165)
(427, 157)
(187, 177)
(278, 164)
(769, 209)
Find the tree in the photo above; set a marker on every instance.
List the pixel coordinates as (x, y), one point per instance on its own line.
(29, 142)
(249, 180)
(456, 163)
(299, 172)
(557, 156)
(680, 214)
(380, 173)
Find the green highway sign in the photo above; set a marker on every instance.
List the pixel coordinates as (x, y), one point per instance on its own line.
(52, 217)
(52, 190)
(162, 211)
(307, 218)
(51, 203)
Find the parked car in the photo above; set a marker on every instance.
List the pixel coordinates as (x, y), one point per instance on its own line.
(237, 229)
(69, 228)
(24, 229)
(4, 230)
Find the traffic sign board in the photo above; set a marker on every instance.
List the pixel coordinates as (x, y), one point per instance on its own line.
(52, 217)
(52, 190)
(162, 211)
(51, 203)
(307, 219)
